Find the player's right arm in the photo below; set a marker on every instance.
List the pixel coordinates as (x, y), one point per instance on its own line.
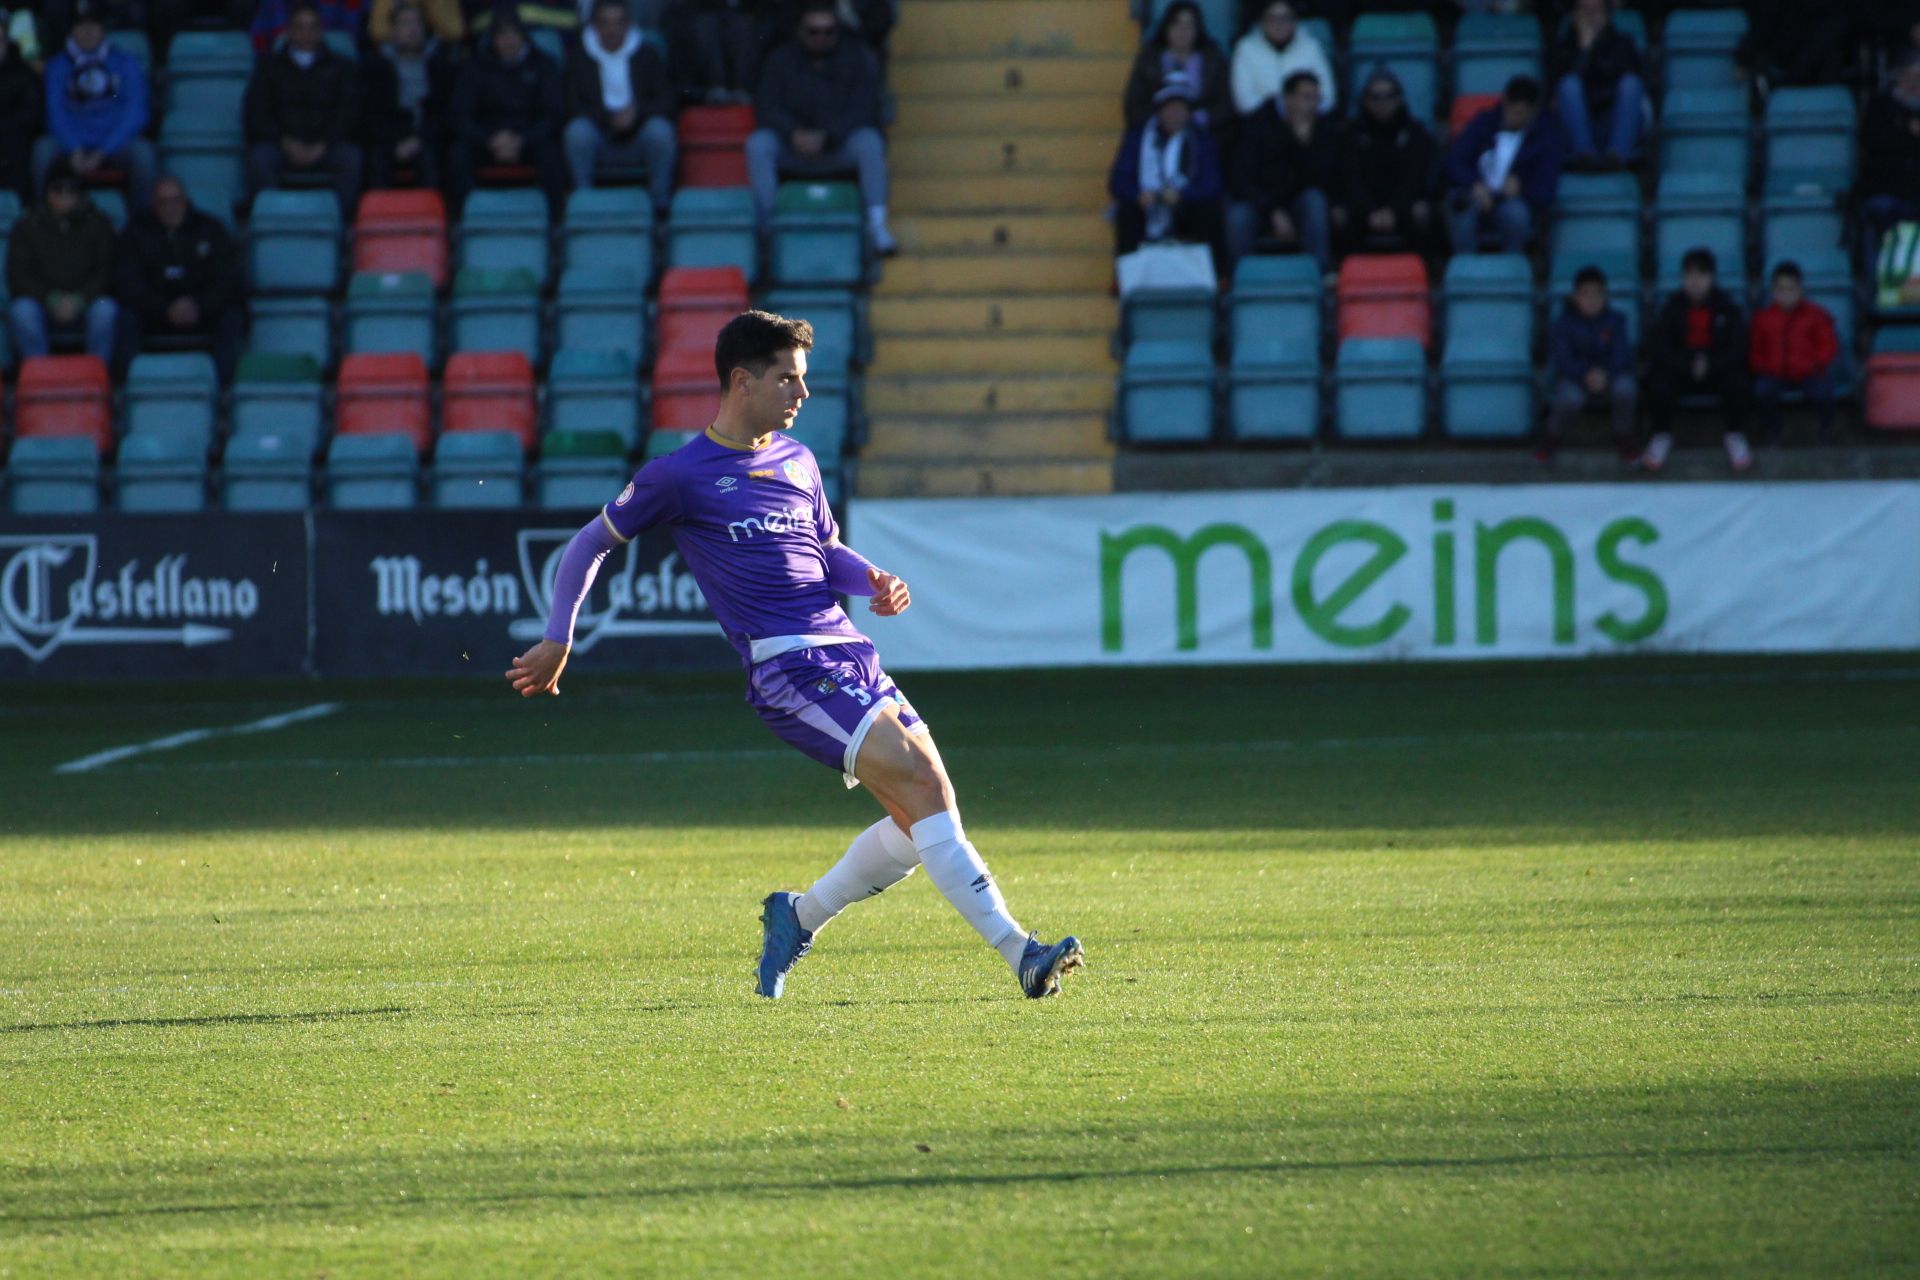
(649, 500)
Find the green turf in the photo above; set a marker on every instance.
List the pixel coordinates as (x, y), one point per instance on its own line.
(1597, 970)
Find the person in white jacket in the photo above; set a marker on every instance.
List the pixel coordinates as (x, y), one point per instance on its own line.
(1274, 49)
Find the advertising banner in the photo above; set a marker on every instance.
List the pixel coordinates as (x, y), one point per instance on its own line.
(1359, 574)
(153, 596)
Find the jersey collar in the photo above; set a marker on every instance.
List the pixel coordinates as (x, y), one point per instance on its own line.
(725, 443)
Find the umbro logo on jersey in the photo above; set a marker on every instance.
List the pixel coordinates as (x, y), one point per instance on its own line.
(726, 482)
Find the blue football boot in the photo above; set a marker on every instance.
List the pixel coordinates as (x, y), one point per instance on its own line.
(785, 942)
(1042, 966)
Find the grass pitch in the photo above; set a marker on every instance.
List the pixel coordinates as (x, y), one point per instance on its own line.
(1599, 970)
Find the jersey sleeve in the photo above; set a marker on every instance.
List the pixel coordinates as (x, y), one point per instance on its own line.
(828, 527)
(651, 498)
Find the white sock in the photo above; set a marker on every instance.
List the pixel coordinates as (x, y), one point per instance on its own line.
(879, 858)
(955, 868)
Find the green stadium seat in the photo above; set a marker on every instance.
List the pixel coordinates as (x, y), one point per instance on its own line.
(495, 310)
(663, 441)
(602, 309)
(267, 471)
(713, 227)
(293, 242)
(279, 395)
(1148, 315)
(301, 326)
(594, 391)
(582, 483)
(1380, 389)
(609, 227)
(818, 237)
(505, 230)
(53, 476)
(173, 395)
(475, 470)
(1167, 392)
(1487, 387)
(390, 312)
(372, 472)
(160, 471)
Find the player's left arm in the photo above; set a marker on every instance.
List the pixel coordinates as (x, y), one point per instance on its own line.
(849, 572)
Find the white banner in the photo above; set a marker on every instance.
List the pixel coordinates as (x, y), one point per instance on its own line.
(1354, 574)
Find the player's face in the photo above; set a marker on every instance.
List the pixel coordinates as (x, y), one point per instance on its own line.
(775, 397)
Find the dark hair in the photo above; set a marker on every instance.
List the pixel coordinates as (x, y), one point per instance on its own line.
(1790, 269)
(1294, 81)
(811, 7)
(1589, 275)
(298, 7)
(1174, 10)
(752, 339)
(598, 5)
(61, 173)
(1700, 259)
(1522, 89)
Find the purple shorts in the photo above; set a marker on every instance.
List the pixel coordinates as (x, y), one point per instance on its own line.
(823, 701)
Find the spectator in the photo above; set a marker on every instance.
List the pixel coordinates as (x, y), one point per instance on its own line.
(1592, 363)
(1271, 52)
(22, 104)
(1598, 66)
(1793, 346)
(443, 18)
(1181, 46)
(96, 108)
(1166, 177)
(1793, 42)
(1890, 155)
(301, 107)
(408, 85)
(507, 111)
(1503, 170)
(726, 39)
(1286, 169)
(1698, 349)
(1387, 168)
(622, 103)
(819, 113)
(274, 18)
(60, 269)
(179, 274)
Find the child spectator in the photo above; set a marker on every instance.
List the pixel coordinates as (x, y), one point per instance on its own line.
(1166, 180)
(1698, 349)
(1504, 170)
(408, 87)
(179, 274)
(1890, 154)
(1286, 170)
(507, 109)
(301, 107)
(621, 101)
(1270, 53)
(1592, 364)
(1387, 168)
(1182, 47)
(1598, 66)
(22, 105)
(272, 19)
(1793, 346)
(97, 107)
(60, 269)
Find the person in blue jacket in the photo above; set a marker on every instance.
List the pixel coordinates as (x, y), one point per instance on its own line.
(1504, 170)
(1166, 181)
(97, 106)
(1591, 364)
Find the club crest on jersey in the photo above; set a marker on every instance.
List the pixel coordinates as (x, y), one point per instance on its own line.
(796, 471)
(626, 495)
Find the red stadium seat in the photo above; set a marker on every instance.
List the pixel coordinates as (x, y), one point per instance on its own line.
(695, 302)
(65, 396)
(1466, 107)
(1893, 391)
(491, 391)
(400, 231)
(685, 390)
(713, 146)
(385, 393)
(1384, 295)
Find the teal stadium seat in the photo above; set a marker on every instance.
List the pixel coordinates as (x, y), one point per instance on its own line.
(506, 230)
(1812, 135)
(1597, 213)
(177, 396)
(1798, 216)
(1487, 387)
(391, 311)
(1407, 43)
(495, 310)
(835, 316)
(602, 309)
(209, 55)
(713, 227)
(1152, 315)
(372, 472)
(293, 242)
(160, 472)
(1167, 393)
(818, 239)
(1698, 45)
(279, 395)
(1490, 293)
(1490, 49)
(609, 227)
(215, 179)
(267, 471)
(292, 326)
(594, 390)
(579, 470)
(53, 476)
(1701, 209)
(477, 470)
(113, 203)
(1380, 389)
(1705, 129)
(1272, 392)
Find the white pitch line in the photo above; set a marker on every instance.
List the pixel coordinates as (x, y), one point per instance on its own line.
(86, 764)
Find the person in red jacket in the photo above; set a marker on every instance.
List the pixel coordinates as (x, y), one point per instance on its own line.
(1792, 346)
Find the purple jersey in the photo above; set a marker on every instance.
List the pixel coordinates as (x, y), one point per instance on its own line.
(753, 526)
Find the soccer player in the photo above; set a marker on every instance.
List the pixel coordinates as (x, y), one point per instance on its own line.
(749, 514)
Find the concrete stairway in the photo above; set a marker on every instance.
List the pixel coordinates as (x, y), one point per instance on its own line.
(993, 370)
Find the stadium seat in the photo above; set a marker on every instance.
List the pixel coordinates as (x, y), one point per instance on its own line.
(505, 230)
(661, 443)
(1896, 339)
(685, 390)
(1705, 129)
(491, 391)
(1699, 45)
(1270, 332)
(818, 239)
(402, 231)
(372, 472)
(713, 227)
(53, 476)
(477, 470)
(1700, 209)
(291, 326)
(267, 471)
(579, 470)
(382, 394)
(1812, 135)
(112, 202)
(215, 178)
(1380, 390)
(602, 309)
(202, 55)
(1273, 400)
(391, 311)
(1489, 49)
(1487, 387)
(826, 420)
(1799, 216)
(1623, 284)
(835, 316)
(293, 242)
(1490, 293)
(594, 390)
(1893, 391)
(160, 471)
(1466, 106)
(1167, 392)
(1150, 314)
(1405, 42)
(207, 112)
(173, 395)
(495, 310)
(1384, 296)
(609, 227)
(278, 395)
(713, 146)
(64, 396)
(695, 302)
